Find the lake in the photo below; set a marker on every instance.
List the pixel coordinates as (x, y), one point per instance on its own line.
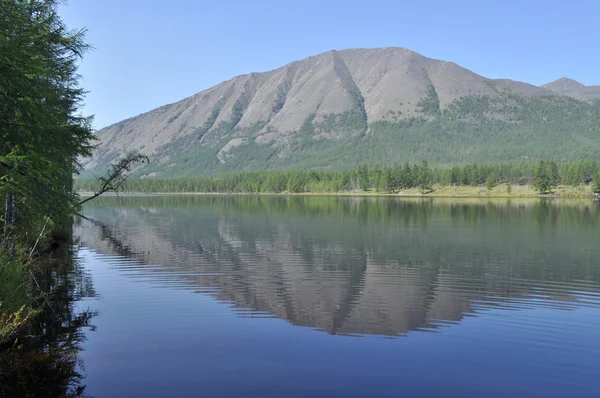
(278, 296)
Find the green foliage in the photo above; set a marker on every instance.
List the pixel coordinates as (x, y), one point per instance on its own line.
(596, 182)
(424, 177)
(42, 134)
(509, 189)
(14, 287)
(295, 183)
(553, 174)
(42, 137)
(406, 177)
(430, 103)
(280, 99)
(541, 178)
(492, 181)
(377, 177)
(391, 179)
(239, 107)
(16, 301)
(363, 177)
(349, 122)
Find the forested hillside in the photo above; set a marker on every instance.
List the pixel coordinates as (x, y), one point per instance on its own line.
(473, 129)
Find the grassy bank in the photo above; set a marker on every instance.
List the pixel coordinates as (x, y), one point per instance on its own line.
(500, 191)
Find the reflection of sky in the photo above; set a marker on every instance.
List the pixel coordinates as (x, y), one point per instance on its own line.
(156, 340)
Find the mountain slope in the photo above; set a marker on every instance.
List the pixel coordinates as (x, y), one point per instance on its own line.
(341, 108)
(573, 88)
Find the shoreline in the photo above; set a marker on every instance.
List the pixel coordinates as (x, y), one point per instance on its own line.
(465, 192)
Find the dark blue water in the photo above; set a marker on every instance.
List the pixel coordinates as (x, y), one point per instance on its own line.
(348, 297)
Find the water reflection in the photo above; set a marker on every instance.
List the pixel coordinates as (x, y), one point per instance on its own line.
(46, 363)
(358, 265)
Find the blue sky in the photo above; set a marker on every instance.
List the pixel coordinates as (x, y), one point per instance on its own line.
(149, 53)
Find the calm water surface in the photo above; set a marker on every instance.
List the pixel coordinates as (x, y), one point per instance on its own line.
(349, 297)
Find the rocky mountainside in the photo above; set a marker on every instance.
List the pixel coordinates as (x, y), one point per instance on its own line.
(572, 88)
(341, 108)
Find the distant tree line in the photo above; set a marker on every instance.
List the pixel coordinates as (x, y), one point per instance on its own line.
(386, 179)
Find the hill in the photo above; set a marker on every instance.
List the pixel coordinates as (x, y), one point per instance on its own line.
(572, 88)
(341, 108)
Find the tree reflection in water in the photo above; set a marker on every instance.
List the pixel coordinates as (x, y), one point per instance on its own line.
(46, 361)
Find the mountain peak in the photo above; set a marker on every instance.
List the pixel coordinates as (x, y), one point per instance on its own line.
(572, 88)
(564, 83)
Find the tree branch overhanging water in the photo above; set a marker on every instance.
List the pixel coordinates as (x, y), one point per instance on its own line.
(117, 175)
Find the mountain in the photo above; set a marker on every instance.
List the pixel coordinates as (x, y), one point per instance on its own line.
(572, 88)
(341, 108)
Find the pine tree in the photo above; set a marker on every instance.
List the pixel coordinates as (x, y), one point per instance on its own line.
(455, 176)
(377, 177)
(424, 177)
(407, 179)
(491, 181)
(541, 178)
(295, 183)
(553, 174)
(346, 179)
(474, 175)
(389, 183)
(596, 182)
(363, 177)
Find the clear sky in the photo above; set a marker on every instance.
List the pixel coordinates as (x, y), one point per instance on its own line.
(149, 53)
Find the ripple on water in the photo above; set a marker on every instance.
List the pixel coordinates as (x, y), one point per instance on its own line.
(503, 295)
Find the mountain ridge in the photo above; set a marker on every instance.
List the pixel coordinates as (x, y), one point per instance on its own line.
(329, 97)
(573, 88)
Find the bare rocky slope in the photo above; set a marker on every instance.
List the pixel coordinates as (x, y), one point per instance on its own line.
(572, 88)
(341, 108)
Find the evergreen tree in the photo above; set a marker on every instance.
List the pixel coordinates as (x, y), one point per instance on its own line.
(553, 175)
(541, 178)
(41, 133)
(397, 176)
(392, 178)
(363, 177)
(376, 179)
(568, 174)
(424, 177)
(389, 182)
(274, 183)
(455, 176)
(474, 176)
(407, 179)
(596, 182)
(578, 175)
(295, 183)
(491, 181)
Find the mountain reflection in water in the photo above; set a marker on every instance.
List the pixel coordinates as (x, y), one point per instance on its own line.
(357, 266)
